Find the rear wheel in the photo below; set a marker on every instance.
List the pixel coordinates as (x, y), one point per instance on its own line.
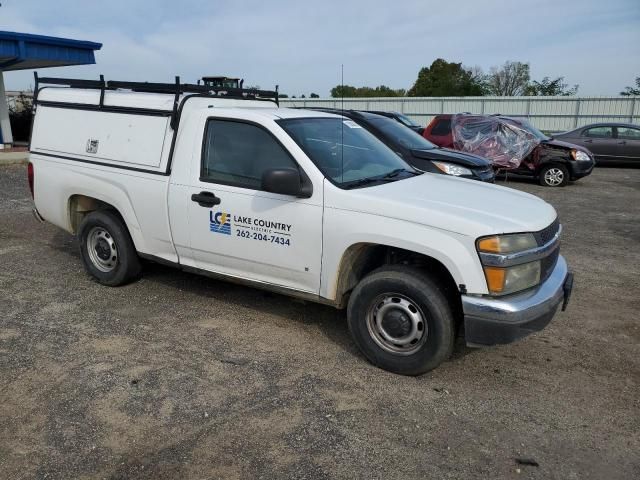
(107, 250)
(554, 176)
(401, 320)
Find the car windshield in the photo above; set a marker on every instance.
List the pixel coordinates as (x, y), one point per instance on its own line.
(531, 129)
(346, 153)
(406, 120)
(398, 133)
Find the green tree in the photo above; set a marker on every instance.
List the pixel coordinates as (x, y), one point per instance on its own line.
(381, 91)
(314, 95)
(547, 87)
(628, 91)
(283, 95)
(340, 91)
(511, 79)
(445, 79)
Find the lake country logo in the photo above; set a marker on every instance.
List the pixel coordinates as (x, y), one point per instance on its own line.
(220, 222)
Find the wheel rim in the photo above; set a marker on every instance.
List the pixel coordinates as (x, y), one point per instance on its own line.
(102, 249)
(554, 177)
(397, 324)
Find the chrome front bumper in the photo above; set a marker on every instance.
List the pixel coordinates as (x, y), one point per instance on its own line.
(492, 321)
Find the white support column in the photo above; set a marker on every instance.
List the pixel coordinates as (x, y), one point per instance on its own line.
(7, 137)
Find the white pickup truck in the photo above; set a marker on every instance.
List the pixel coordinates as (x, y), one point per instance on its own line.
(305, 203)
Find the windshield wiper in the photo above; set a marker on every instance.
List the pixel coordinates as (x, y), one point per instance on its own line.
(398, 171)
(361, 182)
(387, 177)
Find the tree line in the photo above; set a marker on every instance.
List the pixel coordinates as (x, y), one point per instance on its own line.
(450, 79)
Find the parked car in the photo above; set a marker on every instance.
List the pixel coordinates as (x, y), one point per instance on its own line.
(553, 162)
(305, 203)
(400, 117)
(419, 152)
(610, 143)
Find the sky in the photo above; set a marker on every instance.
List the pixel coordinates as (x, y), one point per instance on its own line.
(301, 45)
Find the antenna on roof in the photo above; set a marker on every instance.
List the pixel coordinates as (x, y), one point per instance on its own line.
(342, 124)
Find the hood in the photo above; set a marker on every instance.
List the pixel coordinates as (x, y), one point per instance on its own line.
(453, 156)
(448, 203)
(563, 145)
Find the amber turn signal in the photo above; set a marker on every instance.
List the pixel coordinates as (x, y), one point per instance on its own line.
(489, 244)
(495, 279)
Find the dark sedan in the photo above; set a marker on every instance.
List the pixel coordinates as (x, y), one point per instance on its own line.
(402, 118)
(610, 143)
(418, 151)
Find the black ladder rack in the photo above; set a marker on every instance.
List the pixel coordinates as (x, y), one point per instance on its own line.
(175, 89)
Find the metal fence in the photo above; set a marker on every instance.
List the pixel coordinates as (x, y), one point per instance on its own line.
(547, 113)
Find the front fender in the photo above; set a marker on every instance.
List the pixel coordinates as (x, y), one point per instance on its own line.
(455, 251)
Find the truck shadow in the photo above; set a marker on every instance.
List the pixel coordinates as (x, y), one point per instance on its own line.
(331, 323)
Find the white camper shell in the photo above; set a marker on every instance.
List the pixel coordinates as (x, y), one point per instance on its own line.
(130, 129)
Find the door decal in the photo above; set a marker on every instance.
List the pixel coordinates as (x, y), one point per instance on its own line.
(252, 228)
(220, 222)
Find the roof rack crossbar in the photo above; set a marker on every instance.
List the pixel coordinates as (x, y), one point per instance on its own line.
(176, 89)
(153, 87)
(176, 101)
(102, 87)
(72, 82)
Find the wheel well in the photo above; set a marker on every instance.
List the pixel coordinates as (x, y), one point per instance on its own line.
(82, 205)
(361, 259)
(553, 163)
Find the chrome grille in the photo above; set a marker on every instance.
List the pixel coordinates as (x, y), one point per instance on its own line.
(546, 234)
(547, 264)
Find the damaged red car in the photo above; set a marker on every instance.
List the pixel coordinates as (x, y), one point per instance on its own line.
(513, 146)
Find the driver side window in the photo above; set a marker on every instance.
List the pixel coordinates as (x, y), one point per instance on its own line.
(237, 153)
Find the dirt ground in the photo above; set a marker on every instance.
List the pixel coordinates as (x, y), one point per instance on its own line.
(180, 376)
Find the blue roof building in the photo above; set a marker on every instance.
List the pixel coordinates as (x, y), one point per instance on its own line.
(21, 51)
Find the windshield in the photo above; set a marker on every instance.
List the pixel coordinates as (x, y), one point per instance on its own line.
(345, 152)
(524, 124)
(406, 120)
(398, 133)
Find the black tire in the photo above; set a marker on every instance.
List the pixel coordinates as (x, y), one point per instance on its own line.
(554, 175)
(114, 260)
(398, 288)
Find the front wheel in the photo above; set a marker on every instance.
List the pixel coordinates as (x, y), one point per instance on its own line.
(401, 320)
(554, 176)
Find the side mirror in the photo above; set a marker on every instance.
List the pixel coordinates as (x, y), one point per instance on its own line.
(285, 181)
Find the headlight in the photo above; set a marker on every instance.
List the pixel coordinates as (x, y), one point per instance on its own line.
(510, 279)
(507, 243)
(580, 156)
(452, 169)
(502, 281)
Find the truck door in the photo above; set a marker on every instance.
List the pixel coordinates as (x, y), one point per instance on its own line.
(236, 228)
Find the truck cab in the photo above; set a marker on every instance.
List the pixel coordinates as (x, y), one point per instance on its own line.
(304, 203)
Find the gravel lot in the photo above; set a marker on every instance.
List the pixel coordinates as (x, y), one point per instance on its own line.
(180, 376)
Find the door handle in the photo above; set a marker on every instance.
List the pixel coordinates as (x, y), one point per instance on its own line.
(588, 140)
(622, 143)
(205, 199)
